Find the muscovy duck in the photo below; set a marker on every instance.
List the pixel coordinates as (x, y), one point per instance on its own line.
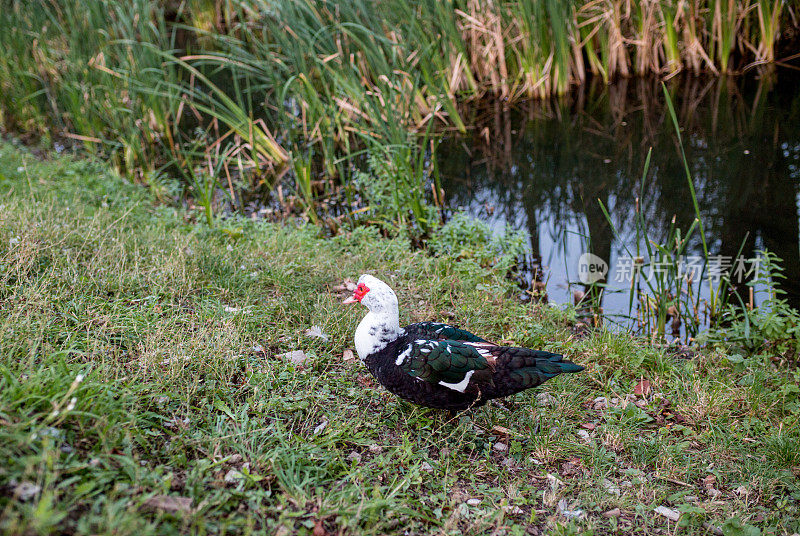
(440, 366)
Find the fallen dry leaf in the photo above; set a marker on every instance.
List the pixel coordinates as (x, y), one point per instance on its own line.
(600, 403)
(513, 510)
(346, 286)
(708, 484)
(169, 503)
(572, 467)
(588, 426)
(319, 530)
(502, 430)
(298, 357)
(320, 427)
(642, 388)
(546, 399)
(669, 513)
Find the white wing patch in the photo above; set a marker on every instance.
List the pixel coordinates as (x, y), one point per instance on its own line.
(460, 386)
(402, 357)
(482, 348)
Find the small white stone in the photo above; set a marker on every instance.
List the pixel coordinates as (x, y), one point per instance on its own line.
(233, 476)
(354, 457)
(473, 502)
(583, 434)
(26, 490)
(426, 467)
(500, 447)
(569, 514)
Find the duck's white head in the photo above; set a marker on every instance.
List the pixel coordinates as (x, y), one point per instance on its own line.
(381, 325)
(374, 294)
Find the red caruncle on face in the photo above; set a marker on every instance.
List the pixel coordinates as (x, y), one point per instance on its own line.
(360, 292)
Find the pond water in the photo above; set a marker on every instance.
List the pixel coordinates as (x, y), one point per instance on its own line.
(542, 166)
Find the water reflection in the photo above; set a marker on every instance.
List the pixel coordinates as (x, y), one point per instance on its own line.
(543, 166)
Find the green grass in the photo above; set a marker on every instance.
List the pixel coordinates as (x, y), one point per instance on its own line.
(159, 315)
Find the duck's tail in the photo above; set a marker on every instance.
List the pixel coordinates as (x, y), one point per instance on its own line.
(517, 369)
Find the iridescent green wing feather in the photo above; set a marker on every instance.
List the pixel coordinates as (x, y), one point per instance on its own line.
(440, 361)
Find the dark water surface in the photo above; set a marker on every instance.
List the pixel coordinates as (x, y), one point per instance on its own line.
(542, 166)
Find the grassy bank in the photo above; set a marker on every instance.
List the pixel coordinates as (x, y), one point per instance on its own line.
(243, 93)
(142, 390)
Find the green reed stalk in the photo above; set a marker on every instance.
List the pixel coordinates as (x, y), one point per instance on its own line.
(769, 14)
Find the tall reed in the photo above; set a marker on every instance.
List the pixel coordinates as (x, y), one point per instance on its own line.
(672, 291)
(149, 83)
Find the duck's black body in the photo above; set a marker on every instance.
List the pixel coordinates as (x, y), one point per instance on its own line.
(440, 366)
